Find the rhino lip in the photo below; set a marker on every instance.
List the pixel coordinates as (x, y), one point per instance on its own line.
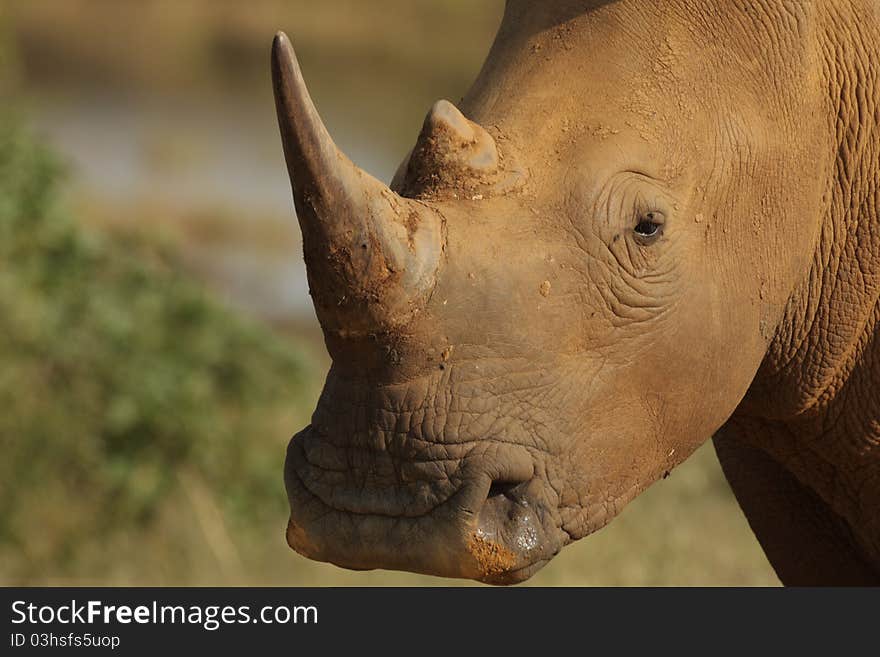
(486, 524)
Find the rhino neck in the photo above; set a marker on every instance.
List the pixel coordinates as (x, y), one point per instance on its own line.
(829, 327)
(814, 405)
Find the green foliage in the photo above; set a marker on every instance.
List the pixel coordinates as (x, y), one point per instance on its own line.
(118, 377)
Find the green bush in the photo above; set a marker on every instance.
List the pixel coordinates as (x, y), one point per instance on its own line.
(118, 377)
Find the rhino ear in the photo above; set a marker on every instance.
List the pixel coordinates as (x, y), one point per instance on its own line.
(370, 254)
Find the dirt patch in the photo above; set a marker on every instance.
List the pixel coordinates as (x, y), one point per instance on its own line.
(492, 559)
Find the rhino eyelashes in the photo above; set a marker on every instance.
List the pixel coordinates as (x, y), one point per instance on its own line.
(649, 227)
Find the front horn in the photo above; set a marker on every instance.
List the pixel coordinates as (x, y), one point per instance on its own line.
(372, 256)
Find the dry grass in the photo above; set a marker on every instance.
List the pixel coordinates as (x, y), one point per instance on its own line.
(685, 531)
(109, 39)
(221, 46)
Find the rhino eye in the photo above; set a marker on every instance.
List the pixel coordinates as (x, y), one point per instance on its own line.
(650, 226)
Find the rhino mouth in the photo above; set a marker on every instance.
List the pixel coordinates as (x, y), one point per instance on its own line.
(479, 513)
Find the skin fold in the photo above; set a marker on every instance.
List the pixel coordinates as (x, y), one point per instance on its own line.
(645, 225)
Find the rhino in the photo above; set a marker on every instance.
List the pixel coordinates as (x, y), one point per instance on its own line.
(646, 225)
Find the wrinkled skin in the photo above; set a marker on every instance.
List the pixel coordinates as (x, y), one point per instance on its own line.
(665, 229)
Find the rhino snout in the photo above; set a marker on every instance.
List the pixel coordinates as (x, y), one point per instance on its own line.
(489, 519)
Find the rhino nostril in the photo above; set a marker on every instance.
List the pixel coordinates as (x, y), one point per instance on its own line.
(504, 488)
(510, 480)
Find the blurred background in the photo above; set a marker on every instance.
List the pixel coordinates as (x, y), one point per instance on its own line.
(157, 344)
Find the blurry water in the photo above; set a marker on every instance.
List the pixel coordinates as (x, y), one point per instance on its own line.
(126, 147)
(199, 153)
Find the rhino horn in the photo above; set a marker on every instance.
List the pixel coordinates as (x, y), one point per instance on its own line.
(452, 139)
(371, 255)
(452, 155)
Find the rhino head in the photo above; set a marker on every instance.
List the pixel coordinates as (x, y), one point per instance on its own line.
(564, 292)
